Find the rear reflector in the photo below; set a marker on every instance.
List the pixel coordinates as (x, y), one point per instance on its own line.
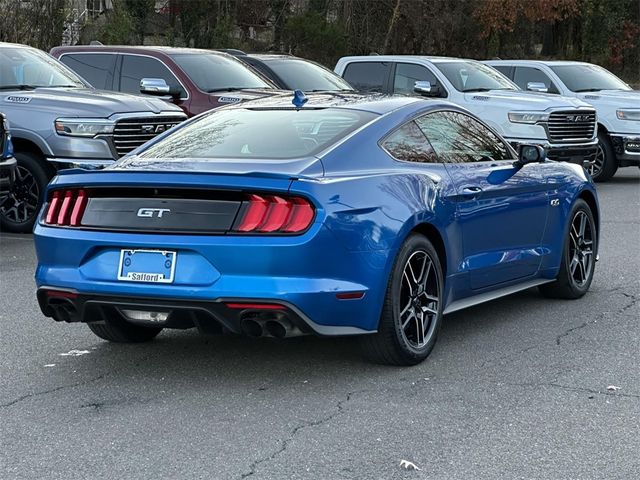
(349, 295)
(255, 306)
(276, 214)
(61, 293)
(66, 207)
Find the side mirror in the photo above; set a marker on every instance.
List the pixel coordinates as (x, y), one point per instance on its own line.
(530, 154)
(537, 87)
(425, 89)
(157, 86)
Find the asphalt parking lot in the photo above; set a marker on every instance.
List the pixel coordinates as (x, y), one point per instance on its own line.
(519, 388)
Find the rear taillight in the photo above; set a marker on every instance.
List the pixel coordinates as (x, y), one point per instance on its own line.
(66, 208)
(275, 214)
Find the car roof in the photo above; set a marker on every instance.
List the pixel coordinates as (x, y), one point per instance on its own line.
(374, 103)
(535, 62)
(137, 49)
(394, 58)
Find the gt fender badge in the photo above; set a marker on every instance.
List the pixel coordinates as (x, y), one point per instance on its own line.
(17, 99)
(228, 99)
(152, 212)
(555, 202)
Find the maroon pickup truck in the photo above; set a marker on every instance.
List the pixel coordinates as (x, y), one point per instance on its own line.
(195, 80)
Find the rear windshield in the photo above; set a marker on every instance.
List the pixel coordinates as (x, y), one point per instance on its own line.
(216, 73)
(307, 76)
(259, 134)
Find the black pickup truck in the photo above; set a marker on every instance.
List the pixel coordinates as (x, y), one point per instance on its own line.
(7, 162)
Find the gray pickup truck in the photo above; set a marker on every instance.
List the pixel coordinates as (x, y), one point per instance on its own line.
(58, 121)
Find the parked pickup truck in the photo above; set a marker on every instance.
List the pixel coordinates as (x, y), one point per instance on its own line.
(195, 80)
(7, 160)
(565, 127)
(618, 106)
(58, 121)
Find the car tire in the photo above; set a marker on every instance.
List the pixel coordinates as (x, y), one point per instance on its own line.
(577, 266)
(605, 164)
(21, 206)
(410, 297)
(115, 329)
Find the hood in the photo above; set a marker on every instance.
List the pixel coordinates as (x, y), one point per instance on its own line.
(84, 102)
(521, 100)
(236, 96)
(290, 168)
(615, 98)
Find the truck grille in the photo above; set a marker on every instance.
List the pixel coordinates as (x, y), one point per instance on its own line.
(572, 126)
(130, 133)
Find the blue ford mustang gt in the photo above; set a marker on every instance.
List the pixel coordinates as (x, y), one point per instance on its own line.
(346, 215)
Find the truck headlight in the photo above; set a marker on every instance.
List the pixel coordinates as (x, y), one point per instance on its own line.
(629, 114)
(528, 117)
(83, 127)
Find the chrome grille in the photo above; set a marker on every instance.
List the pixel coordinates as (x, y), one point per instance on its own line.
(572, 126)
(130, 133)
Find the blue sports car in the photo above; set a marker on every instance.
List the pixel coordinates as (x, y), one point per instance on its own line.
(344, 215)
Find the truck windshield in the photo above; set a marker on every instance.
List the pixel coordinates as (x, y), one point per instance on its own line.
(216, 73)
(468, 76)
(27, 68)
(258, 134)
(588, 78)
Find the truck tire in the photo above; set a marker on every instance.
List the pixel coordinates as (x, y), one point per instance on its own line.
(20, 208)
(605, 164)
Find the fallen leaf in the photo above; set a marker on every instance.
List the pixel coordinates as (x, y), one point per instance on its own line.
(407, 465)
(50, 365)
(613, 388)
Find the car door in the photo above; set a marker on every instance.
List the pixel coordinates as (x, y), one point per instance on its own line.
(405, 75)
(368, 76)
(522, 76)
(502, 210)
(134, 68)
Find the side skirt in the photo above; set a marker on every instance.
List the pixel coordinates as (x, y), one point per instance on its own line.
(492, 295)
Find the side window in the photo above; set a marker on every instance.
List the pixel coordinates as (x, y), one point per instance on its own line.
(524, 75)
(407, 74)
(367, 76)
(503, 69)
(95, 68)
(408, 143)
(459, 138)
(135, 68)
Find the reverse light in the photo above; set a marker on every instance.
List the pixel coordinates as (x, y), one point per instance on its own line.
(66, 207)
(528, 117)
(275, 214)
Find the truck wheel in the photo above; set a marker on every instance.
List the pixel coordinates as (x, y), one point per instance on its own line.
(605, 164)
(117, 330)
(578, 256)
(412, 310)
(20, 207)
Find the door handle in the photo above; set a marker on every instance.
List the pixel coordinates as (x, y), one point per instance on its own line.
(471, 191)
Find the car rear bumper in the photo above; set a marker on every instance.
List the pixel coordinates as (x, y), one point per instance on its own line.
(310, 274)
(7, 173)
(627, 149)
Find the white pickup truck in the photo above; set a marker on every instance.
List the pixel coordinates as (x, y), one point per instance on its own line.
(565, 127)
(618, 106)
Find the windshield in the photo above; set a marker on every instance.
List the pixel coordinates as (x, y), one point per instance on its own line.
(26, 68)
(259, 134)
(215, 73)
(468, 76)
(306, 76)
(588, 78)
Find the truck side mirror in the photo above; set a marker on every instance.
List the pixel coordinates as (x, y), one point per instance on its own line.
(530, 154)
(537, 87)
(424, 88)
(157, 86)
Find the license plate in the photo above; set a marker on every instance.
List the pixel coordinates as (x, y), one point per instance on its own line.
(151, 266)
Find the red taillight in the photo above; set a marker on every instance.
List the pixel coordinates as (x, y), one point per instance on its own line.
(276, 214)
(66, 207)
